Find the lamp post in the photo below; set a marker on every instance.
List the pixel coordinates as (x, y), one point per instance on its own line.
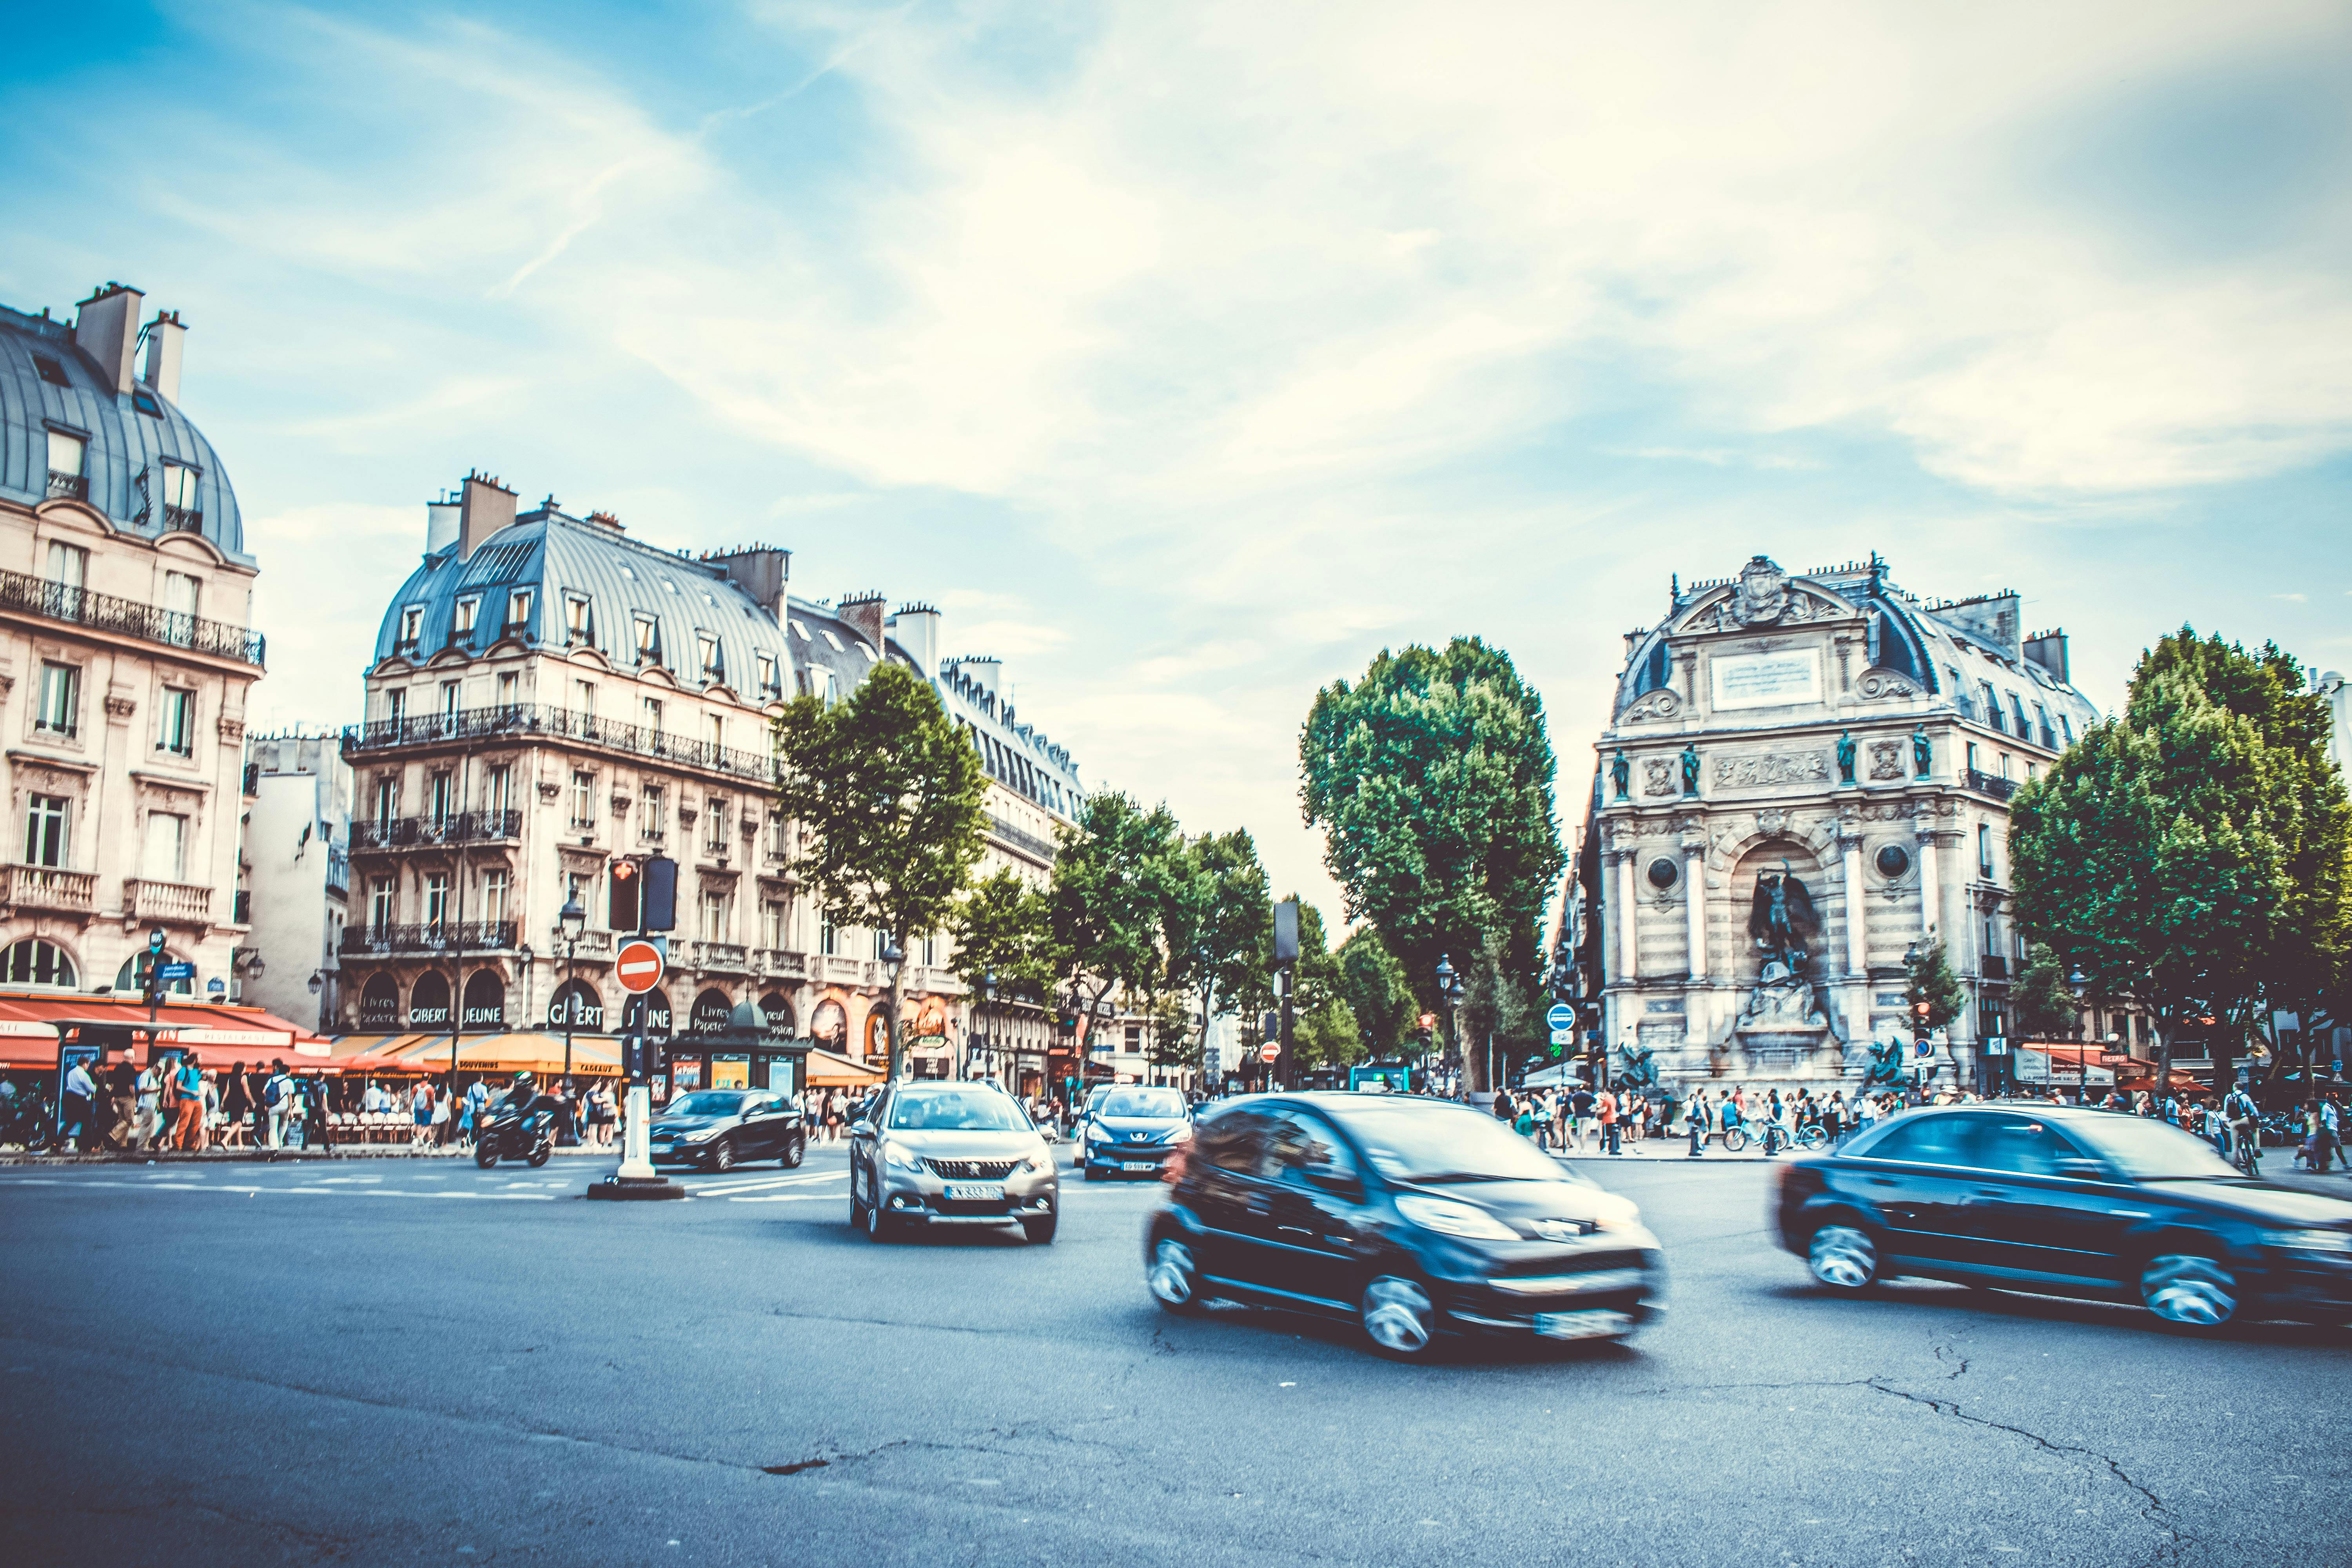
(894, 958)
(1449, 990)
(987, 1032)
(570, 922)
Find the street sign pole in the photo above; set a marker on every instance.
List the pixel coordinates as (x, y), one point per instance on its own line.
(638, 967)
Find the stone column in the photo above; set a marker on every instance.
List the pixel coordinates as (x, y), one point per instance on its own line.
(1930, 894)
(1695, 895)
(1629, 963)
(1857, 961)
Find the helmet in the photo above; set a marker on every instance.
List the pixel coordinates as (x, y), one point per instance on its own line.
(523, 1079)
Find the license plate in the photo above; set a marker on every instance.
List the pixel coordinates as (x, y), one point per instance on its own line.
(1138, 1165)
(1585, 1325)
(976, 1192)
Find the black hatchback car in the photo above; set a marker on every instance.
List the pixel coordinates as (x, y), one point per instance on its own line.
(717, 1129)
(2063, 1201)
(1416, 1219)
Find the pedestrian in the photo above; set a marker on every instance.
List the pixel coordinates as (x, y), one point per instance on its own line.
(1605, 1108)
(1504, 1109)
(2331, 1129)
(188, 1126)
(1834, 1119)
(122, 1091)
(78, 1106)
(420, 1113)
(1732, 1115)
(1695, 1118)
(147, 1121)
(1562, 1119)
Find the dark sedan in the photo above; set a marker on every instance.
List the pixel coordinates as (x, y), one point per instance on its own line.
(2062, 1201)
(717, 1129)
(1130, 1132)
(1418, 1219)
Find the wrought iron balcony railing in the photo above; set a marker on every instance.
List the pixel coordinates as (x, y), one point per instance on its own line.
(31, 596)
(427, 832)
(528, 720)
(443, 936)
(1988, 783)
(182, 519)
(1028, 843)
(69, 486)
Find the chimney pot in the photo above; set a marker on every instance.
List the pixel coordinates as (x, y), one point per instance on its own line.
(105, 328)
(164, 336)
(484, 507)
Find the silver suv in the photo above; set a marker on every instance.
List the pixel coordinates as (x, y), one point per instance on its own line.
(950, 1153)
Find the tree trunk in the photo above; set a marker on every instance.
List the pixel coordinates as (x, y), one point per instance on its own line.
(2163, 1064)
(890, 1017)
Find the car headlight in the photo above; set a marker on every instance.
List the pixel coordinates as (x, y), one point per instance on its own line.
(704, 1136)
(904, 1158)
(1040, 1162)
(2310, 1240)
(1448, 1218)
(1095, 1134)
(1183, 1133)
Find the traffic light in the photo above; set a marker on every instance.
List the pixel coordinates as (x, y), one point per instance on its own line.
(641, 1056)
(625, 905)
(659, 907)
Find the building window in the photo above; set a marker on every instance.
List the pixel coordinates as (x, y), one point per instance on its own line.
(395, 706)
(707, 646)
(179, 492)
(68, 457)
(436, 898)
(714, 917)
(932, 952)
(1134, 1039)
(60, 709)
(45, 830)
(585, 693)
(36, 963)
(387, 801)
(654, 717)
(583, 800)
(380, 905)
(2004, 764)
(577, 888)
(498, 793)
(51, 370)
(652, 822)
(1984, 848)
(771, 684)
(1972, 756)
(441, 793)
(175, 730)
(494, 896)
(2066, 728)
(412, 628)
(167, 855)
(826, 937)
(772, 922)
(510, 688)
(718, 732)
(469, 610)
(649, 640)
(1989, 1023)
(575, 619)
(183, 594)
(450, 691)
(517, 612)
(776, 835)
(69, 565)
(715, 824)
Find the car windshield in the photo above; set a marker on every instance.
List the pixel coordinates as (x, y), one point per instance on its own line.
(1421, 1142)
(1157, 1102)
(956, 1110)
(704, 1102)
(2150, 1150)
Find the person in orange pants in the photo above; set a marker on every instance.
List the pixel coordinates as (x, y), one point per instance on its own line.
(188, 1126)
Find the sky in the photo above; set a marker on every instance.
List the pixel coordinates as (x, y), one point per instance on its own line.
(1187, 355)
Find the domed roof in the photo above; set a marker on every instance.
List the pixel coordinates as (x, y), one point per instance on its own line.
(46, 384)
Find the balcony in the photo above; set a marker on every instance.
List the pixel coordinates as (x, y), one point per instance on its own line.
(69, 486)
(182, 519)
(440, 937)
(780, 964)
(1988, 783)
(726, 957)
(829, 970)
(181, 902)
(526, 722)
(29, 595)
(339, 872)
(432, 832)
(48, 888)
(1996, 967)
(1016, 839)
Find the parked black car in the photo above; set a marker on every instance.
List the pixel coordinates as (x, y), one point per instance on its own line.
(2064, 1201)
(1416, 1219)
(717, 1129)
(1130, 1130)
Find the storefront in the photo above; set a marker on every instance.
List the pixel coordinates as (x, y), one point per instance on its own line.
(743, 1052)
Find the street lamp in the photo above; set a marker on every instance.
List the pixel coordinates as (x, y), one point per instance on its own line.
(987, 1032)
(570, 922)
(894, 958)
(1449, 988)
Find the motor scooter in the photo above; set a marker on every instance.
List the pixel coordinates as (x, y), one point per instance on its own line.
(528, 1135)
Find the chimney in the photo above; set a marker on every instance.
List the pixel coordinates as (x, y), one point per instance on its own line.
(762, 571)
(2048, 649)
(485, 507)
(916, 627)
(105, 330)
(864, 612)
(164, 335)
(441, 523)
(987, 671)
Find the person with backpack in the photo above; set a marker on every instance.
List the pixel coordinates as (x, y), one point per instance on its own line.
(276, 1092)
(188, 1118)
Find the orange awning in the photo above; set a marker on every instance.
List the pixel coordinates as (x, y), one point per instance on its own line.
(592, 1056)
(216, 1034)
(828, 1070)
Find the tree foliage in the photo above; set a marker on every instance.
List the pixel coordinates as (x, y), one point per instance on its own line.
(1217, 926)
(1114, 881)
(887, 794)
(1003, 928)
(1433, 780)
(1377, 992)
(1929, 978)
(2042, 1004)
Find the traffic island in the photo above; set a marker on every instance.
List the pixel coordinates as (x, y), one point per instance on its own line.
(635, 1188)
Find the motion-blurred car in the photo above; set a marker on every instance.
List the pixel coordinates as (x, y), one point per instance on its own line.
(2068, 1201)
(1419, 1219)
(717, 1129)
(950, 1153)
(1130, 1131)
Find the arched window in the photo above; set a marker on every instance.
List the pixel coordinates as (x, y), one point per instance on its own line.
(126, 979)
(486, 1001)
(712, 1009)
(830, 1025)
(576, 1004)
(878, 1034)
(778, 1010)
(428, 1001)
(33, 961)
(379, 1003)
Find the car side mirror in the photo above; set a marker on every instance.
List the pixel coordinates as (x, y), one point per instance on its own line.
(1339, 1182)
(861, 1128)
(2081, 1169)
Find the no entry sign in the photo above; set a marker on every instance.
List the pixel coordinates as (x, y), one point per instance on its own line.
(638, 966)
(1270, 1051)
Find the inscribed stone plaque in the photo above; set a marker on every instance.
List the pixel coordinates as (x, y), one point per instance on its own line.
(1767, 680)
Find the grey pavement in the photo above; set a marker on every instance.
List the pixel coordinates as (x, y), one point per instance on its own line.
(424, 1362)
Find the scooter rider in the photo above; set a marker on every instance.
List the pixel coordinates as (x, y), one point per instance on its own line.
(522, 1095)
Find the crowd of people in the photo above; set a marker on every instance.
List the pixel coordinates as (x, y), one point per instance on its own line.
(173, 1103)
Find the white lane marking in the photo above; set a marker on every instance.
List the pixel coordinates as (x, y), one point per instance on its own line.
(789, 1198)
(770, 1181)
(307, 1192)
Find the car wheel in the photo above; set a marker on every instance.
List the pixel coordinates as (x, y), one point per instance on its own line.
(795, 1151)
(879, 1226)
(1843, 1257)
(722, 1156)
(1398, 1318)
(2189, 1291)
(1041, 1231)
(485, 1153)
(1174, 1277)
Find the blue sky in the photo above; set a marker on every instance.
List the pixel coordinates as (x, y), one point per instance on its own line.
(1188, 354)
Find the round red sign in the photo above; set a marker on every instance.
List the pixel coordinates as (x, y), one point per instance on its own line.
(1270, 1051)
(637, 966)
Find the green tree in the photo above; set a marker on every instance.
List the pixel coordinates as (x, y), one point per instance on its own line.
(888, 792)
(1003, 931)
(1929, 979)
(1217, 926)
(1113, 871)
(1323, 1030)
(1377, 992)
(1433, 780)
(1502, 1013)
(2042, 1007)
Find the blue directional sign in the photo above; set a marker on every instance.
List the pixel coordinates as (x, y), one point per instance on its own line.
(1561, 1016)
(175, 972)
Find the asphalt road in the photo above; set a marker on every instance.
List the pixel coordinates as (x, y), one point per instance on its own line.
(416, 1361)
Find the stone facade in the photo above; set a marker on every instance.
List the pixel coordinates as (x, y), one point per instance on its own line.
(1802, 776)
